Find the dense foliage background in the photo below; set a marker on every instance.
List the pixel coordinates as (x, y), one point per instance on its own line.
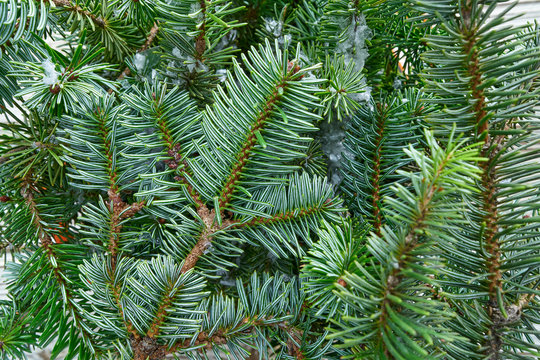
(269, 179)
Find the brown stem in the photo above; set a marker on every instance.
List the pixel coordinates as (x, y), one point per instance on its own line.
(489, 187)
(120, 211)
(489, 200)
(492, 248)
(205, 238)
(473, 68)
(200, 42)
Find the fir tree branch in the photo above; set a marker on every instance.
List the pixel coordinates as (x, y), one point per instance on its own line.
(489, 198)
(281, 217)
(411, 242)
(45, 238)
(161, 313)
(483, 61)
(120, 210)
(492, 248)
(251, 140)
(117, 293)
(221, 336)
(208, 216)
(489, 191)
(69, 6)
(147, 346)
(174, 151)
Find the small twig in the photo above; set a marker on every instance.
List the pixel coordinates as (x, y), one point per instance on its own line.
(149, 40)
(27, 192)
(220, 337)
(66, 4)
(5, 158)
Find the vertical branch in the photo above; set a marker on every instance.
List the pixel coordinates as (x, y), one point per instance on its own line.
(488, 182)
(395, 277)
(251, 140)
(120, 209)
(489, 191)
(200, 41)
(473, 68)
(493, 261)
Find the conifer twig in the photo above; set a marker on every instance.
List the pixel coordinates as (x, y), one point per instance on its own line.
(251, 140)
(411, 241)
(27, 193)
(69, 6)
(176, 161)
(489, 192)
(228, 188)
(286, 216)
(219, 337)
(200, 42)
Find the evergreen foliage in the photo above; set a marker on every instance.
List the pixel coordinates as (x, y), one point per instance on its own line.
(330, 179)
